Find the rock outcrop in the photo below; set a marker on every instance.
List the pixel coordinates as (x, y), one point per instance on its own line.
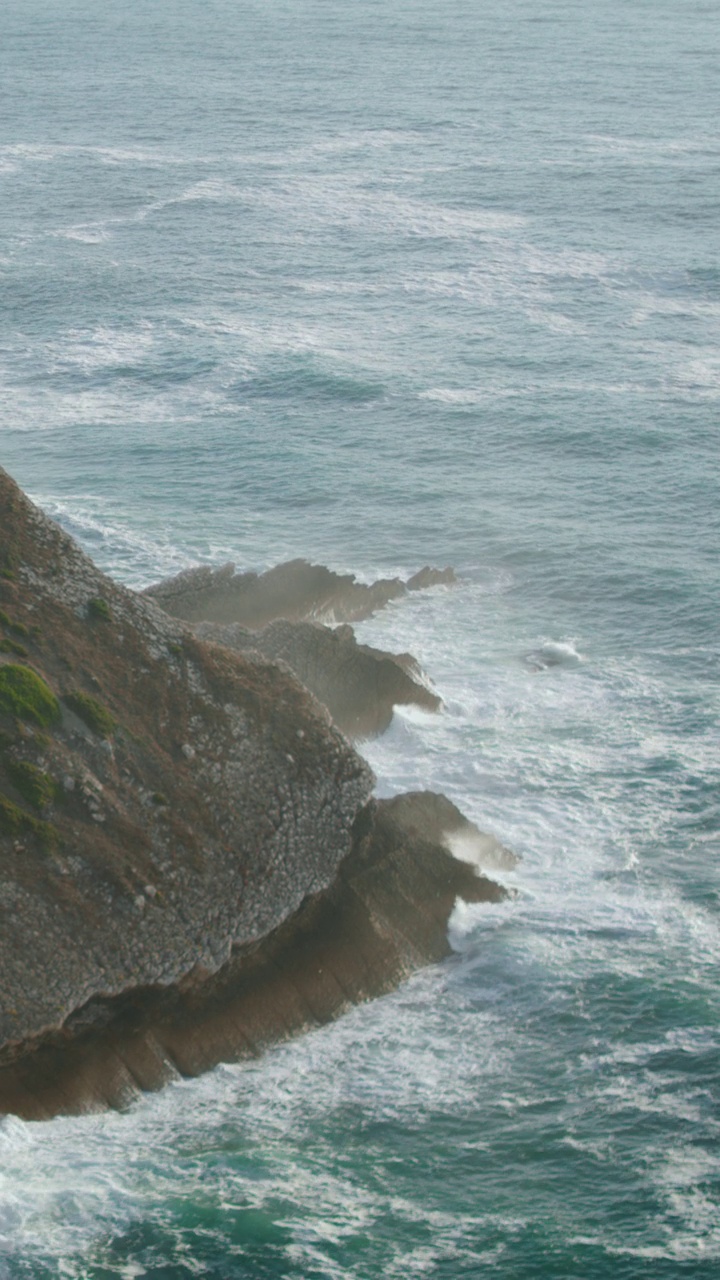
(359, 684)
(191, 864)
(430, 816)
(296, 591)
(384, 916)
(284, 615)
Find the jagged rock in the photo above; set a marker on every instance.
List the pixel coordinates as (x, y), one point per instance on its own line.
(359, 685)
(261, 791)
(384, 916)
(296, 590)
(429, 577)
(431, 816)
(190, 864)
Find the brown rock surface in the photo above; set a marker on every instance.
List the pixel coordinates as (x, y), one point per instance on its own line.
(385, 915)
(190, 865)
(359, 685)
(295, 590)
(431, 816)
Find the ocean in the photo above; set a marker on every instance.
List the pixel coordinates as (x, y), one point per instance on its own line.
(383, 284)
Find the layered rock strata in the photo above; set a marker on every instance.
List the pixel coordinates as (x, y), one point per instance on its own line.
(295, 590)
(384, 916)
(359, 684)
(183, 832)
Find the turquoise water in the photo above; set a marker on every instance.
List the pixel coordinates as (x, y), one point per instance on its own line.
(382, 284)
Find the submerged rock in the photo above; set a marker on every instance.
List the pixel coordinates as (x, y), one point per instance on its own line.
(190, 862)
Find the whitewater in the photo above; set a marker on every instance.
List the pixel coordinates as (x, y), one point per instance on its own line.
(381, 285)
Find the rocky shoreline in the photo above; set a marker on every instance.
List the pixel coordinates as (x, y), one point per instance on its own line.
(192, 865)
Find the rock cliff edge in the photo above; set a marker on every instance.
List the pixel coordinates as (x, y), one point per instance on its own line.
(191, 862)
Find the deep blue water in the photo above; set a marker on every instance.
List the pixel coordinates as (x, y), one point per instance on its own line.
(382, 284)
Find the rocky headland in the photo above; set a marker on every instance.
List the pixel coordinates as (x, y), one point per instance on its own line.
(192, 864)
(295, 590)
(291, 614)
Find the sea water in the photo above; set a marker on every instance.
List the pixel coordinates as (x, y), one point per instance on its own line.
(382, 284)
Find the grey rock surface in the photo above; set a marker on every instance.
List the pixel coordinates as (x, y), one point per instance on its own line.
(359, 685)
(295, 590)
(222, 784)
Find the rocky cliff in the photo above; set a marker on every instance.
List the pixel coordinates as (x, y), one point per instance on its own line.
(191, 864)
(286, 615)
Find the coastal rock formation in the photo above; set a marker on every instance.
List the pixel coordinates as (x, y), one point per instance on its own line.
(384, 916)
(360, 685)
(296, 591)
(183, 835)
(162, 798)
(430, 816)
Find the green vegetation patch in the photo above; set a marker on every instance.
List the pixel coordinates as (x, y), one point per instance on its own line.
(96, 716)
(12, 818)
(24, 694)
(15, 821)
(18, 627)
(38, 788)
(98, 608)
(13, 646)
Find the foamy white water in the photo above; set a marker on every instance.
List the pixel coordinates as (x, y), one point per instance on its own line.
(383, 286)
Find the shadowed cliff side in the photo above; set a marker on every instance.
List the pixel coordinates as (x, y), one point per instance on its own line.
(359, 685)
(385, 916)
(295, 590)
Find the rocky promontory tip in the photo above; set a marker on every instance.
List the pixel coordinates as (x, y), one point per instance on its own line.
(191, 863)
(384, 916)
(285, 615)
(296, 591)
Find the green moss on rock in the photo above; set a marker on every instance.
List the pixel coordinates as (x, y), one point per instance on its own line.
(11, 816)
(98, 608)
(36, 787)
(10, 625)
(15, 821)
(12, 646)
(23, 693)
(96, 716)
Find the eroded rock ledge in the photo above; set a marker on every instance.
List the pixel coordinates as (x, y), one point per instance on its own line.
(183, 835)
(359, 684)
(296, 590)
(284, 614)
(384, 916)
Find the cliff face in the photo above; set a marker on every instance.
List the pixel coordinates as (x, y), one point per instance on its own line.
(178, 824)
(283, 615)
(194, 798)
